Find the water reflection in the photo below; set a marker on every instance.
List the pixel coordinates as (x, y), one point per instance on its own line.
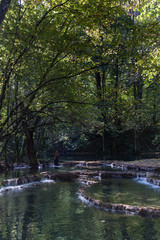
(126, 191)
(53, 212)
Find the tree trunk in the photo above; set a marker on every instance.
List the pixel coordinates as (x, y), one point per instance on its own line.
(39, 143)
(33, 162)
(138, 91)
(98, 85)
(117, 119)
(30, 149)
(17, 152)
(101, 86)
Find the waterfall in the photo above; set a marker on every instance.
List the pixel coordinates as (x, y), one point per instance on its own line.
(99, 176)
(143, 180)
(10, 182)
(21, 181)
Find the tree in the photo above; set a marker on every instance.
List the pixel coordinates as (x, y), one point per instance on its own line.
(51, 55)
(45, 38)
(4, 5)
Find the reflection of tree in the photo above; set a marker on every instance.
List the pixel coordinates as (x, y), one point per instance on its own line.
(53, 212)
(148, 229)
(141, 228)
(54, 205)
(4, 225)
(157, 228)
(12, 217)
(28, 215)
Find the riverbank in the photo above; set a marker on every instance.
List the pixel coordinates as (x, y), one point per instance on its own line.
(152, 164)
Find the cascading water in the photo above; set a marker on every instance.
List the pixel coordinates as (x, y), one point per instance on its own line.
(20, 183)
(53, 211)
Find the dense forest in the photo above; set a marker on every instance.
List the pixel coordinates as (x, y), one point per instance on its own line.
(79, 75)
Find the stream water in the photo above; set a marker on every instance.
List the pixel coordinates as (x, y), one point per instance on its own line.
(135, 192)
(53, 211)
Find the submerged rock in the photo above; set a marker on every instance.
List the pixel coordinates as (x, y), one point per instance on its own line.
(122, 208)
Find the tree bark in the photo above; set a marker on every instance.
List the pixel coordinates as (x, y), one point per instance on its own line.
(33, 162)
(117, 119)
(98, 85)
(30, 149)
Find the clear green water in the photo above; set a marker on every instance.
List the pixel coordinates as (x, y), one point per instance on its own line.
(52, 211)
(126, 191)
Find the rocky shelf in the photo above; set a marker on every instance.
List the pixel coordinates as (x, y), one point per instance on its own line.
(122, 208)
(78, 175)
(139, 165)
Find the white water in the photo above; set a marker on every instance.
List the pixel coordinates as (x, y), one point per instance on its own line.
(118, 167)
(22, 166)
(143, 180)
(81, 164)
(84, 200)
(16, 188)
(47, 181)
(98, 177)
(22, 186)
(107, 165)
(55, 166)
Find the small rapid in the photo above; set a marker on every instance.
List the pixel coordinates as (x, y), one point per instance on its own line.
(18, 184)
(144, 181)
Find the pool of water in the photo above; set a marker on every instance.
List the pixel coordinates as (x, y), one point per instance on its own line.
(52, 211)
(27, 172)
(127, 191)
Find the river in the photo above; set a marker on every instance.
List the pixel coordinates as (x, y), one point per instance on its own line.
(53, 211)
